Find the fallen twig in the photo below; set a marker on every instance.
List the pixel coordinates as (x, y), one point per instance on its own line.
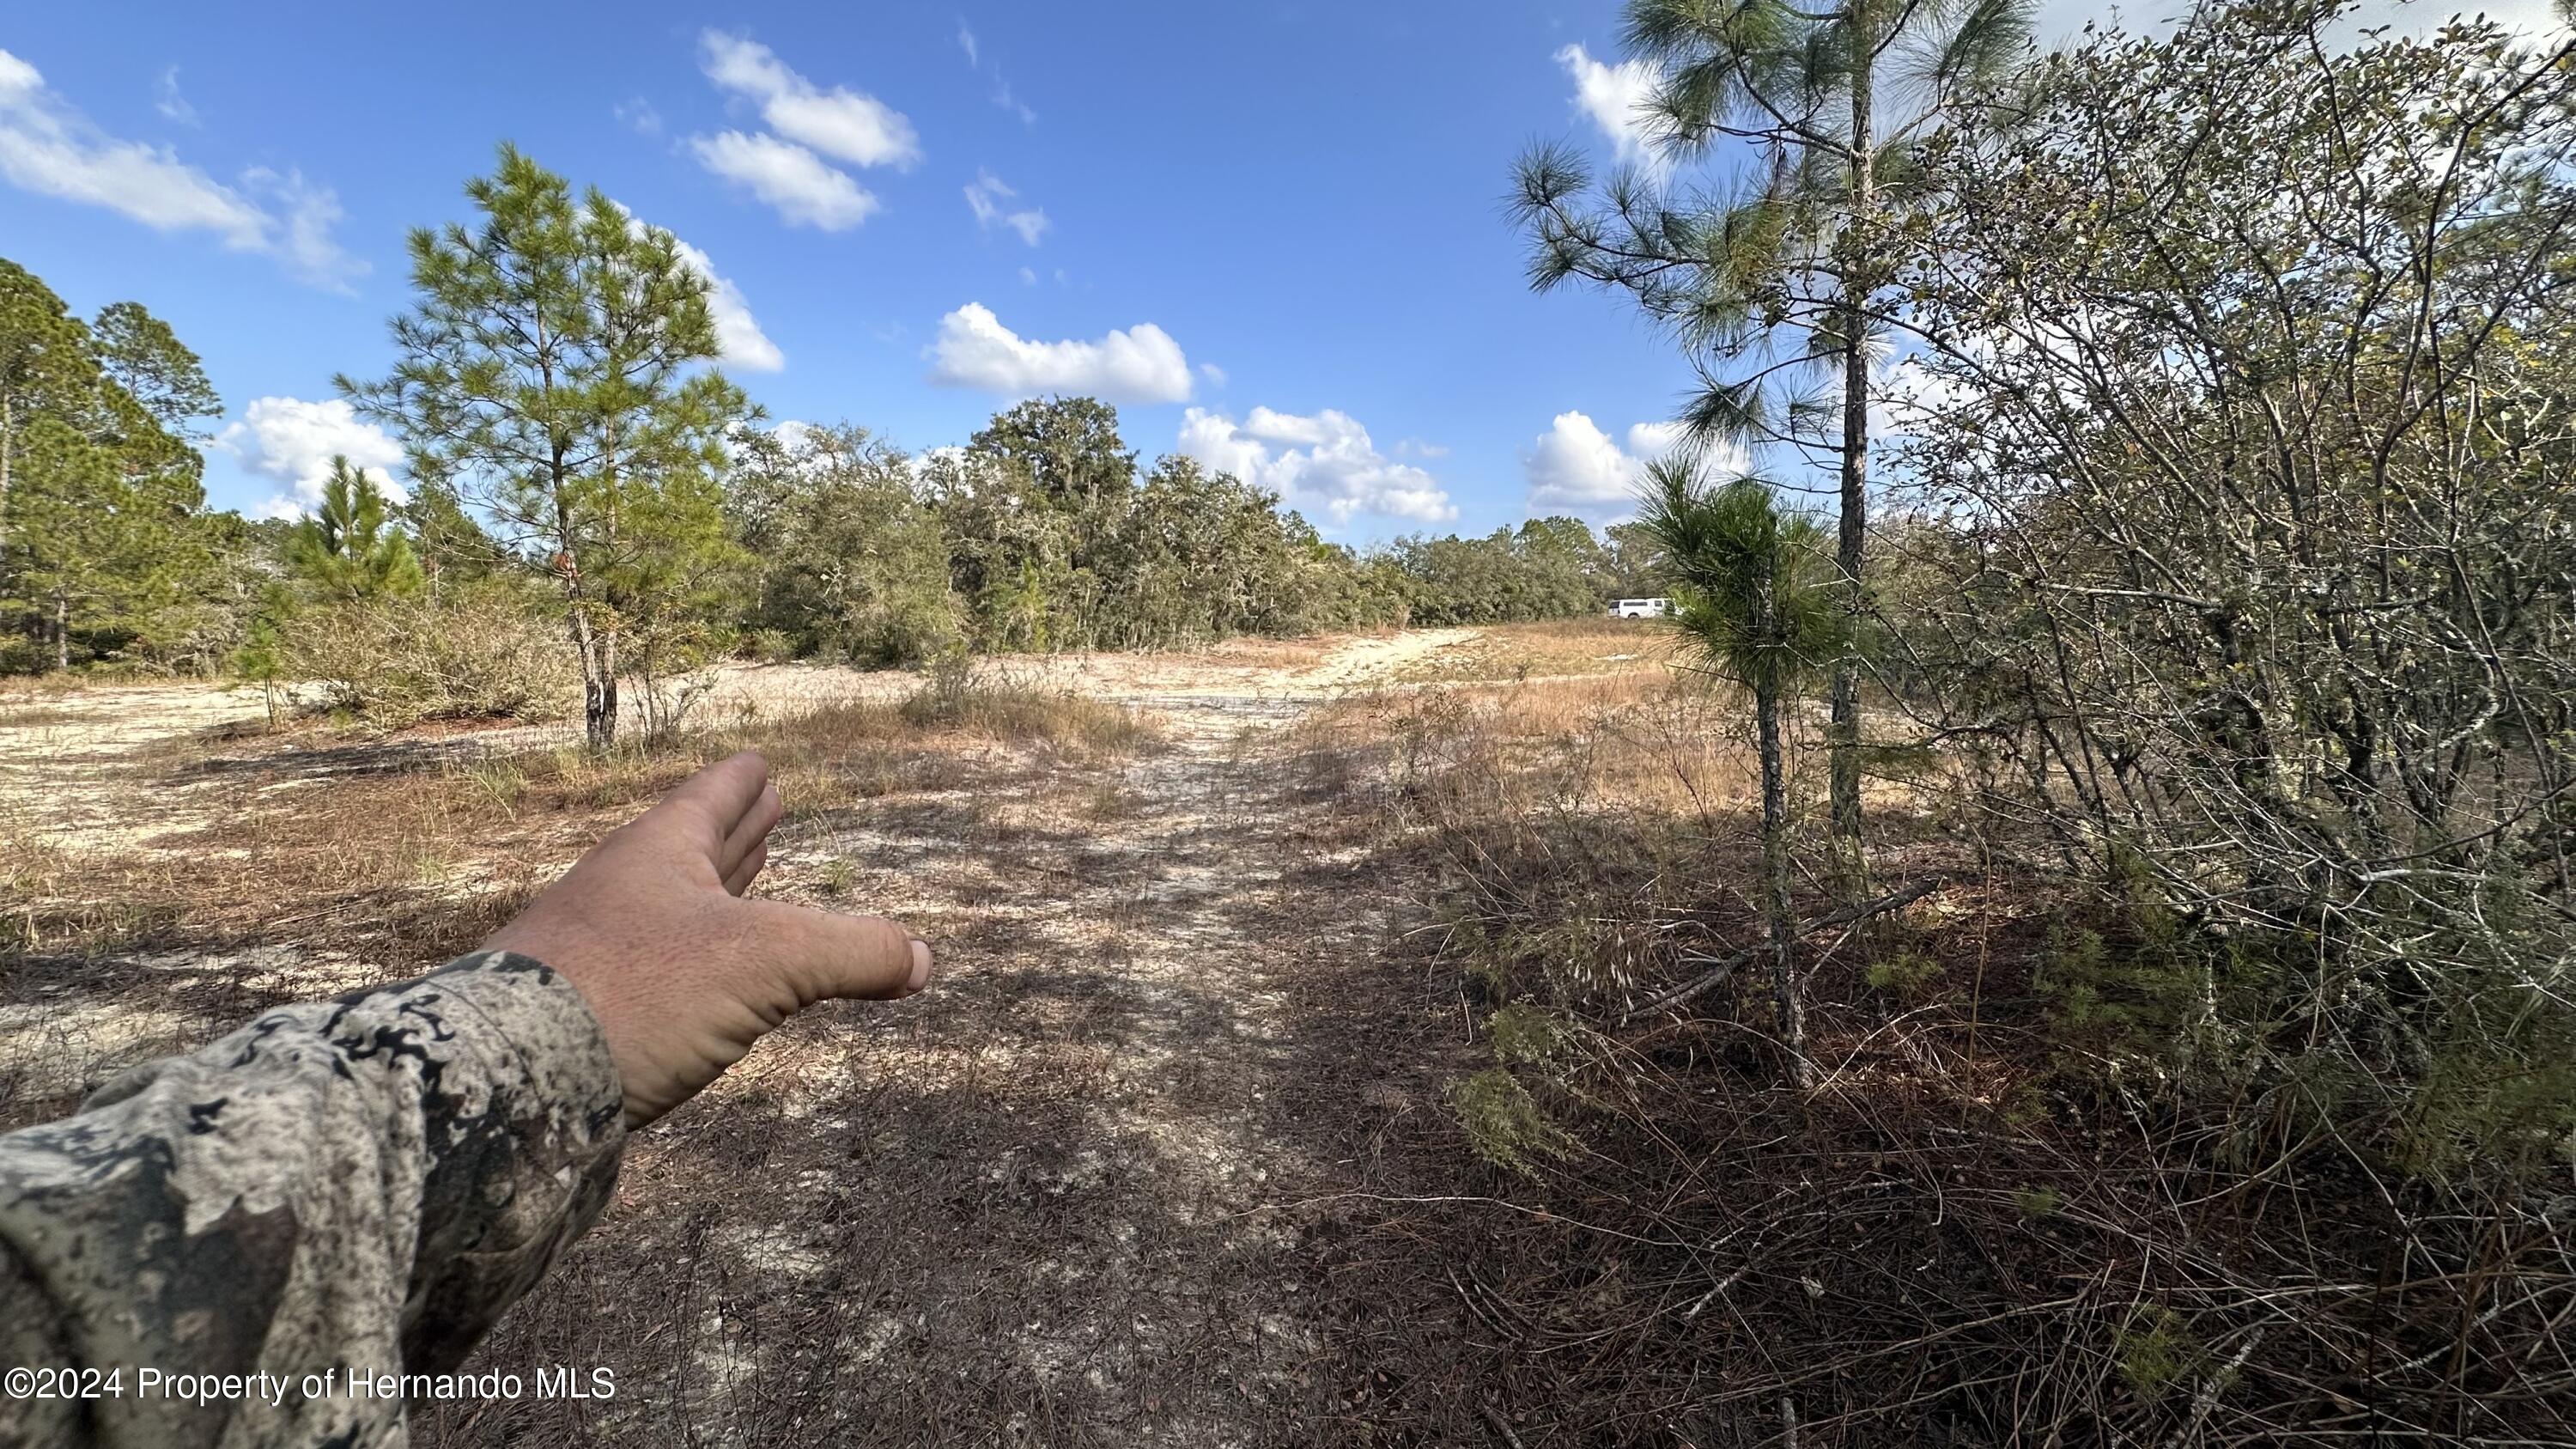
(1722, 966)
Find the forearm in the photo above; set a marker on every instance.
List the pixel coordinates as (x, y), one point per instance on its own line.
(364, 1184)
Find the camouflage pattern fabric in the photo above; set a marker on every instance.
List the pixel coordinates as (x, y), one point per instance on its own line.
(363, 1184)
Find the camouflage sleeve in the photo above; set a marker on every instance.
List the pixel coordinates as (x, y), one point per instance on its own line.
(358, 1184)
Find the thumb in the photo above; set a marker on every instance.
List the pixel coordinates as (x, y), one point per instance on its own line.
(824, 955)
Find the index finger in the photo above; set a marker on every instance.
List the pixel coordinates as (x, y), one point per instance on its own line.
(713, 801)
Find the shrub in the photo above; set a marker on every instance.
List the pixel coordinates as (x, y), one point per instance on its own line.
(485, 651)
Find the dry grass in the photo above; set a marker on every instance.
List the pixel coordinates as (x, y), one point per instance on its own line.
(1608, 742)
(388, 854)
(1512, 652)
(1968, 1232)
(1271, 653)
(1175, 1155)
(23, 712)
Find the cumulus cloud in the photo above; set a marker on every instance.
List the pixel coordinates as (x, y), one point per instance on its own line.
(738, 333)
(986, 197)
(800, 186)
(1212, 373)
(1577, 468)
(48, 147)
(1611, 95)
(1139, 364)
(840, 122)
(637, 115)
(292, 441)
(1322, 464)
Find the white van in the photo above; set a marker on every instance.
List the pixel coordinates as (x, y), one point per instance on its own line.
(1641, 608)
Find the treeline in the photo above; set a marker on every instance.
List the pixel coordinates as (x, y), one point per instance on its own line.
(590, 497)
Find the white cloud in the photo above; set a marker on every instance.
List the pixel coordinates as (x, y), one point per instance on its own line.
(1577, 468)
(1028, 277)
(1416, 448)
(292, 441)
(794, 181)
(50, 148)
(966, 41)
(843, 123)
(637, 115)
(1322, 464)
(1003, 97)
(985, 195)
(1140, 364)
(1611, 95)
(738, 333)
(169, 102)
(1212, 373)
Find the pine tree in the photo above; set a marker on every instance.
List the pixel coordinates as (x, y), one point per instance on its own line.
(1747, 578)
(46, 369)
(556, 369)
(345, 551)
(99, 487)
(1785, 272)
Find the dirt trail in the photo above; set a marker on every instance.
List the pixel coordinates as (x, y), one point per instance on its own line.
(1032, 1206)
(1037, 1204)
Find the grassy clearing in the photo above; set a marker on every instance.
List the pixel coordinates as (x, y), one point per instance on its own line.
(1511, 652)
(23, 713)
(390, 853)
(1258, 653)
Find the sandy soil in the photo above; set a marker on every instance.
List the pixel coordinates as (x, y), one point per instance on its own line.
(1039, 1204)
(1033, 1206)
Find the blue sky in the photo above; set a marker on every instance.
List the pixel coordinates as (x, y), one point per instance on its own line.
(1271, 233)
(1301, 203)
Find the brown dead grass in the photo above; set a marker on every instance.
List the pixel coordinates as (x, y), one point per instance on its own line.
(391, 853)
(1553, 648)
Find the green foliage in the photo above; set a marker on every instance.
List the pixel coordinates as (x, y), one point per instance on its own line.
(140, 354)
(1910, 976)
(2156, 1349)
(1504, 1124)
(104, 546)
(1750, 580)
(2299, 711)
(554, 370)
(1055, 543)
(1528, 1035)
(1548, 568)
(345, 551)
(852, 562)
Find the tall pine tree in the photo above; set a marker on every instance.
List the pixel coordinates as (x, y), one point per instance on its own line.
(555, 369)
(1775, 283)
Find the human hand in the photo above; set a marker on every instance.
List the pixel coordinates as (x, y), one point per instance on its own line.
(683, 974)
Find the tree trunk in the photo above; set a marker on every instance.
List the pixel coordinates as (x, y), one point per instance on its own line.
(1782, 921)
(598, 679)
(1778, 915)
(62, 630)
(1842, 736)
(599, 712)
